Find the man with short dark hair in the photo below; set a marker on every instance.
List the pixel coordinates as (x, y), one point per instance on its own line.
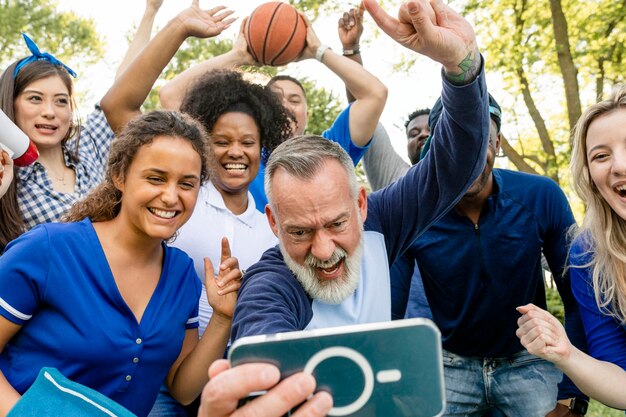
(417, 131)
(478, 263)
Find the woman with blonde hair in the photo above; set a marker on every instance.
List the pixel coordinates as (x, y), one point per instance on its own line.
(597, 261)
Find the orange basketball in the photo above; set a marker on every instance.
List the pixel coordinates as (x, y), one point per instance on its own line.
(276, 33)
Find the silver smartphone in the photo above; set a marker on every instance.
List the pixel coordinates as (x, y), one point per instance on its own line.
(390, 369)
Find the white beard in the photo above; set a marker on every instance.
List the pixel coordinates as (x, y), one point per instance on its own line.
(332, 291)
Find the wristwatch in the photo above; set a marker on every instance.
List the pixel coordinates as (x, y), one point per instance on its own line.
(576, 405)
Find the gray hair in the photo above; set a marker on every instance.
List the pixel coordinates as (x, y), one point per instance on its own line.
(303, 157)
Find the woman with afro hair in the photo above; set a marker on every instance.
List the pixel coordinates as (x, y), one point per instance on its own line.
(245, 123)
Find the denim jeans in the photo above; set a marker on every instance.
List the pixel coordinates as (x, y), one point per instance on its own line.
(166, 405)
(520, 386)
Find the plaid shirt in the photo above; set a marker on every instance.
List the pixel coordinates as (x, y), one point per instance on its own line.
(38, 202)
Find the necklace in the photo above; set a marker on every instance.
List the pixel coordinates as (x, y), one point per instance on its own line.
(60, 179)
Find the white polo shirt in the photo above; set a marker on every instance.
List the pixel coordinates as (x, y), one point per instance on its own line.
(249, 235)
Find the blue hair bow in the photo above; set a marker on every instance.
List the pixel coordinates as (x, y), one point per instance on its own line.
(37, 55)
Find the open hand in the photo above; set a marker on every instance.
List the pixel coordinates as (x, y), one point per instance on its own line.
(205, 23)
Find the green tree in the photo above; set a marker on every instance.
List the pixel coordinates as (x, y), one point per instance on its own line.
(70, 38)
(550, 53)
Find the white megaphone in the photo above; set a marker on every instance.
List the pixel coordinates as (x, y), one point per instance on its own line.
(15, 142)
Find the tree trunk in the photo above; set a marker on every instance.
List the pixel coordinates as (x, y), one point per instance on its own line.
(568, 69)
(515, 157)
(540, 125)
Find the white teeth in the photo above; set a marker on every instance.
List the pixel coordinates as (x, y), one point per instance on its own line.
(163, 213)
(621, 187)
(235, 166)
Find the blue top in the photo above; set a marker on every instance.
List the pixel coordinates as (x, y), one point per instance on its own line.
(339, 132)
(606, 337)
(475, 275)
(271, 300)
(56, 283)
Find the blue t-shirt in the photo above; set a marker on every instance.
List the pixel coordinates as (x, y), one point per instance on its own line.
(56, 283)
(339, 132)
(606, 337)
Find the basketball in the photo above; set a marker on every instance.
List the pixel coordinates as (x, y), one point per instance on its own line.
(275, 33)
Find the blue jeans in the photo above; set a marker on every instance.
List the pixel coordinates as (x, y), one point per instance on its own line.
(520, 386)
(166, 405)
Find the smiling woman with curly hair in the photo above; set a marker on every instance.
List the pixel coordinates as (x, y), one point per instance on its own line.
(245, 123)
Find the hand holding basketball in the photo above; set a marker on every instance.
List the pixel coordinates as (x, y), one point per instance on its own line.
(312, 41)
(276, 33)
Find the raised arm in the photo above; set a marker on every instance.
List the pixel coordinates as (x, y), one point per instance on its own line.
(369, 92)
(123, 101)
(382, 163)
(544, 336)
(405, 209)
(142, 35)
(171, 94)
(350, 29)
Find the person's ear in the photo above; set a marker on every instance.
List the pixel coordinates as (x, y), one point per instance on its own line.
(362, 203)
(271, 219)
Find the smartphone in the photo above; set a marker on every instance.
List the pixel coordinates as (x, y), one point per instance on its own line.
(390, 369)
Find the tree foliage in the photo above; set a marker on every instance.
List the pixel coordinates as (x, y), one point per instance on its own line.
(70, 38)
(554, 56)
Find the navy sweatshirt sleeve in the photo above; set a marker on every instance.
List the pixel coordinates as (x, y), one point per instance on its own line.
(403, 210)
(270, 299)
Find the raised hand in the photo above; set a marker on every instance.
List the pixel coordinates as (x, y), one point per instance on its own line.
(222, 289)
(312, 41)
(435, 30)
(542, 334)
(240, 48)
(154, 5)
(205, 23)
(350, 27)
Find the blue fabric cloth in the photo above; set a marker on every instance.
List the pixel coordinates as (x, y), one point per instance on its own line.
(520, 386)
(38, 202)
(606, 337)
(56, 283)
(418, 304)
(37, 55)
(53, 395)
(475, 275)
(339, 132)
(271, 300)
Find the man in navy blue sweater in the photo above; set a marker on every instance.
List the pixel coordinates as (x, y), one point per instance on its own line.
(478, 263)
(336, 244)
